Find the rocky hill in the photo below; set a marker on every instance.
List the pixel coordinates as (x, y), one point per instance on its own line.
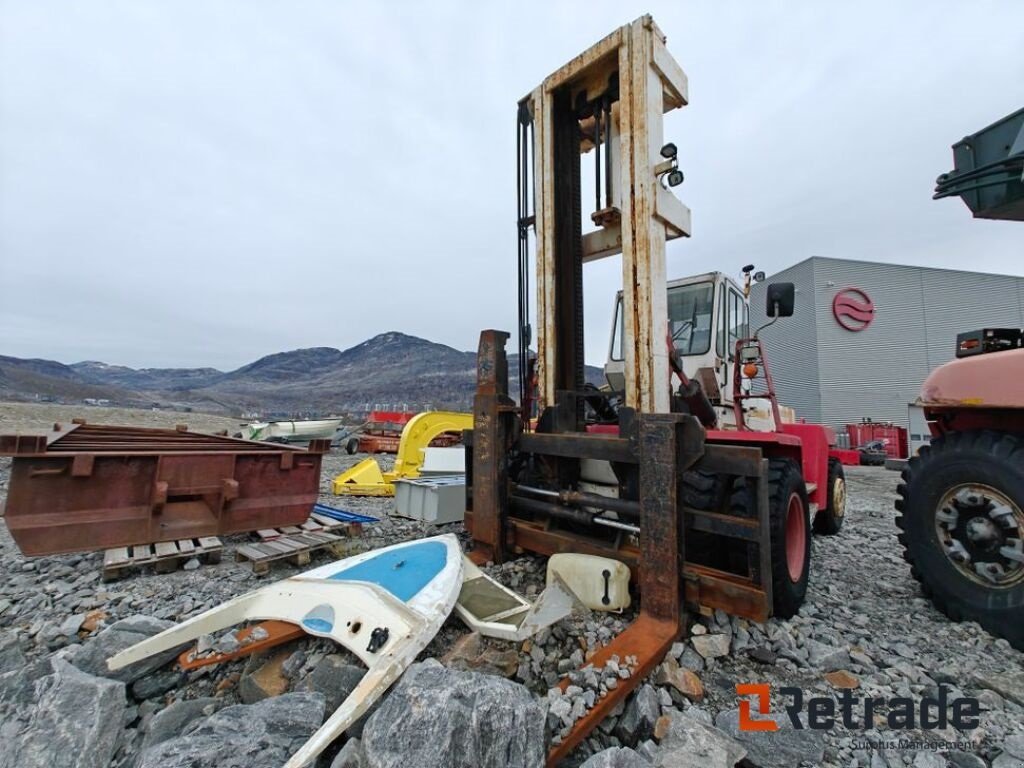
(145, 378)
(390, 371)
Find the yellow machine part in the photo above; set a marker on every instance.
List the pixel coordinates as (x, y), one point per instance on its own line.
(366, 478)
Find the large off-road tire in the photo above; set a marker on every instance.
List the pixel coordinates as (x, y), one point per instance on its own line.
(790, 533)
(961, 520)
(704, 491)
(701, 490)
(829, 521)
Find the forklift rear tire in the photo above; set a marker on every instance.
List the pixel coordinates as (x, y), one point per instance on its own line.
(961, 519)
(352, 446)
(829, 521)
(790, 533)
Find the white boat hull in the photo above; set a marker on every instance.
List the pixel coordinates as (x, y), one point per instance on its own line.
(494, 610)
(291, 431)
(384, 606)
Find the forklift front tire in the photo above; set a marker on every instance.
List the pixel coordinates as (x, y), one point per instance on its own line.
(829, 521)
(789, 523)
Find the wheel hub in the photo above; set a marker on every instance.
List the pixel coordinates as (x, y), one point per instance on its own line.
(839, 497)
(982, 533)
(796, 538)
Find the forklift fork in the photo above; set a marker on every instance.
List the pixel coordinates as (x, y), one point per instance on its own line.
(663, 442)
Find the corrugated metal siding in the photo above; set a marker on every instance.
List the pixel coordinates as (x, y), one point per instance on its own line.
(965, 301)
(874, 373)
(792, 343)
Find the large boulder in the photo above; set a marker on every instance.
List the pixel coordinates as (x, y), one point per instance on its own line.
(11, 656)
(261, 735)
(616, 757)
(334, 678)
(440, 718)
(92, 657)
(783, 748)
(690, 742)
(171, 721)
(1009, 685)
(74, 721)
(18, 688)
(350, 755)
(638, 719)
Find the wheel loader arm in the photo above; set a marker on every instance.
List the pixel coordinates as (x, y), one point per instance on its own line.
(418, 433)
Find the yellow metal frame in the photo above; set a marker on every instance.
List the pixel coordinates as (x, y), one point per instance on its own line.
(366, 477)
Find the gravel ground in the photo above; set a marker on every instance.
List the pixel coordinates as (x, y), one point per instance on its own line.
(39, 418)
(865, 622)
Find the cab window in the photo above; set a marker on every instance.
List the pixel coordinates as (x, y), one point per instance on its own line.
(738, 321)
(689, 317)
(619, 331)
(689, 320)
(722, 322)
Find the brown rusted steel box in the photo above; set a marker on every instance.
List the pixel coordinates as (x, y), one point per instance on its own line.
(92, 487)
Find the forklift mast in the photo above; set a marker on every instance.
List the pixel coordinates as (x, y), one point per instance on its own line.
(608, 102)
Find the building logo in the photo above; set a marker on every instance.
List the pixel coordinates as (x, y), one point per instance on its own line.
(853, 309)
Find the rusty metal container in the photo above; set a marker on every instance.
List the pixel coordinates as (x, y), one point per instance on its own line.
(92, 487)
(894, 438)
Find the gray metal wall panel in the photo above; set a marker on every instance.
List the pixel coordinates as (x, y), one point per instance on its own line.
(791, 344)
(874, 373)
(965, 301)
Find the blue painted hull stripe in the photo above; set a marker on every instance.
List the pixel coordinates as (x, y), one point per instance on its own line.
(402, 572)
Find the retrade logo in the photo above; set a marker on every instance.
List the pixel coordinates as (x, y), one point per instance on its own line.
(821, 713)
(763, 693)
(853, 309)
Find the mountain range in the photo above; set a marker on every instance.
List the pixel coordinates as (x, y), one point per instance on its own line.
(391, 371)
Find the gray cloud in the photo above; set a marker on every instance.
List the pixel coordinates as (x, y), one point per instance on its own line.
(198, 184)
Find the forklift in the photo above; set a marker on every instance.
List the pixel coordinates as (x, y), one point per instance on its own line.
(665, 468)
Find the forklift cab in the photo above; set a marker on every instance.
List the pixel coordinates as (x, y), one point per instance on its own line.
(707, 315)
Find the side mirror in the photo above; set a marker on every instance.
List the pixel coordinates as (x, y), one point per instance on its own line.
(781, 299)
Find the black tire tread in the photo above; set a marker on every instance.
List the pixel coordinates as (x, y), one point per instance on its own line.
(995, 446)
(701, 490)
(783, 474)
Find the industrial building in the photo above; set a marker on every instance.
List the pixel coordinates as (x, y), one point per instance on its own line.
(865, 335)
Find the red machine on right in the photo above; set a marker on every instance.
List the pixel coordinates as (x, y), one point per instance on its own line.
(961, 502)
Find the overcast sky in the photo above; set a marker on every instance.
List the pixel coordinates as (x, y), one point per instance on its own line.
(202, 183)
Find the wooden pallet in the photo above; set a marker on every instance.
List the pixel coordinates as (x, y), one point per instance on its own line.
(294, 547)
(315, 524)
(336, 526)
(164, 556)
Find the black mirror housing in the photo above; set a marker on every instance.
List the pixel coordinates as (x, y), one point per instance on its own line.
(781, 299)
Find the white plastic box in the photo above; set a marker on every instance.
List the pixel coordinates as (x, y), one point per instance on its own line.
(442, 462)
(436, 500)
(600, 583)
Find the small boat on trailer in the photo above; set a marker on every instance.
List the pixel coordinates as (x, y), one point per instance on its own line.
(384, 606)
(291, 431)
